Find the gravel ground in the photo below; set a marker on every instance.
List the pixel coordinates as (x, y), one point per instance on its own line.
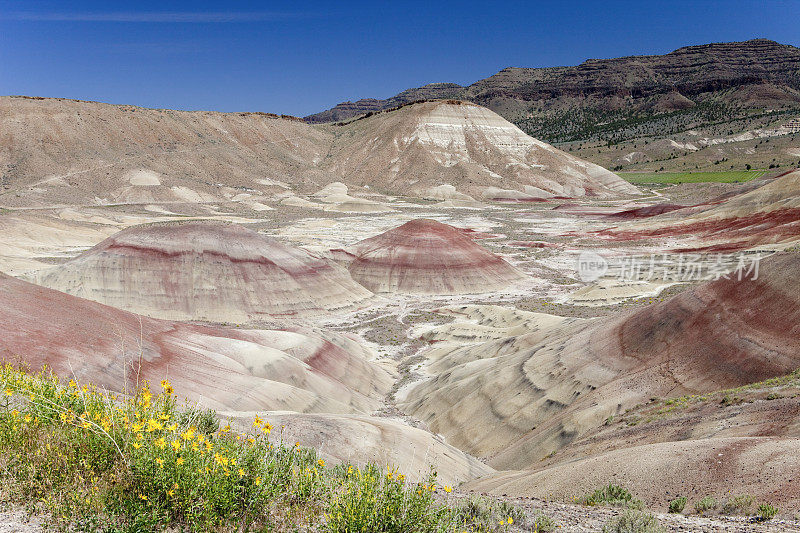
(579, 518)
(14, 519)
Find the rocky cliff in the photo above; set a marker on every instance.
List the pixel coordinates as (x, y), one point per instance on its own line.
(707, 80)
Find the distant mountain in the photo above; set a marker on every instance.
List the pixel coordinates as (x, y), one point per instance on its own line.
(627, 97)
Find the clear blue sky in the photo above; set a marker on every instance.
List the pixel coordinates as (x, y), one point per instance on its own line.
(303, 57)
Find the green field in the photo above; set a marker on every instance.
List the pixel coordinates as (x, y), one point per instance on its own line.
(691, 177)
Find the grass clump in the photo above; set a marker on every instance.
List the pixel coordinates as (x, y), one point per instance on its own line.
(97, 462)
(766, 512)
(477, 513)
(705, 504)
(678, 504)
(613, 496)
(738, 505)
(633, 521)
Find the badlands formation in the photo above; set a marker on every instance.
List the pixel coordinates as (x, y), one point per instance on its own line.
(207, 271)
(532, 394)
(427, 257)
(405, 288)
(99, 154)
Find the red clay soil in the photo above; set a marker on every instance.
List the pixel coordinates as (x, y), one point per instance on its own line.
(647, 211)
(206, 271)
(426, 256)
(110, 348)
(747, 231)
(719, 335)
(762, 213)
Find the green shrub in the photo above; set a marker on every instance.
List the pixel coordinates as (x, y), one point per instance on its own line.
(205, 420)
(633, 521)
(738, 505)
(370, 500)
(677, 505)
(613, 496)
(541, 523)
(705, 504)
(96, 462)
(477, 513)
(767, 512)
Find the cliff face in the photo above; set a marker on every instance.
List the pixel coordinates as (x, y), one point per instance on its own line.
(346, 110)
(650, 85)
(691, 71)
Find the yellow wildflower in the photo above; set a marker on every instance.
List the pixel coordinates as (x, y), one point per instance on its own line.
(167, 386)
(176, 445)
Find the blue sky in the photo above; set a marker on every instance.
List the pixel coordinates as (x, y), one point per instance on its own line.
(299, 58)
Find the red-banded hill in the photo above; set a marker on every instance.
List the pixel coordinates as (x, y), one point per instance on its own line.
(428, 257)
(518, 399)
(207, 271)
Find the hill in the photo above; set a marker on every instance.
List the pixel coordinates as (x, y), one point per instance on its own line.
(747, 74)
(56, 152)
(523, 396)
(702, 94)
(207, 271)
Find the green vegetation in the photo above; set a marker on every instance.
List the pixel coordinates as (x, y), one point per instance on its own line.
(615, 126)
(786, 386)
(483, 514)
(705, 504)
(691, 177)
(677, 505)
(738, 505)
(767, 511)
(613, 496)
(97, 462)
(633, 522)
